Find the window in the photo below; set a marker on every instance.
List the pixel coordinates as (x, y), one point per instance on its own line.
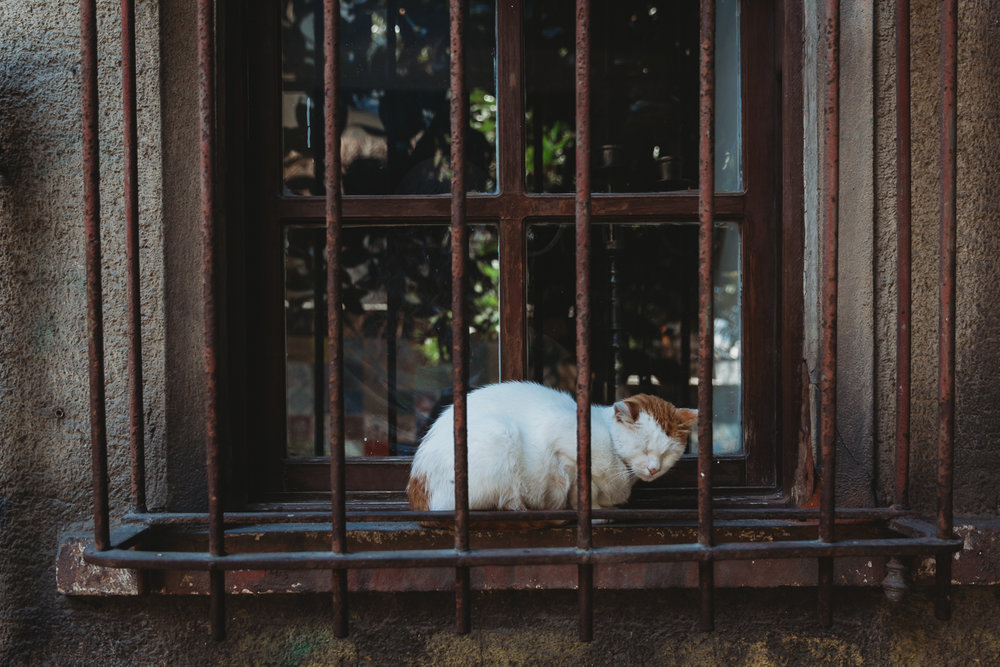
(519, 73)
(273, 263)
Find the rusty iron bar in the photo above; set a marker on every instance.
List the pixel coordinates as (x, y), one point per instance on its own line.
(828, 334)
(95, 296)
(133, 293)
(762, 514)
(459, 325)
(566, 555)
(206, 104)
(584, 537)
(706, 338)
(334, 300)
(213, 450)
(946, 339)
(904, 254)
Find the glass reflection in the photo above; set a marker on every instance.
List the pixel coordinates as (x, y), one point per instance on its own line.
(397, 333)
(644, 316)
(644, 89)
(394, 81)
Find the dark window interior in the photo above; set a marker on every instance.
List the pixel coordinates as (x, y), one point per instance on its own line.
(395, 138)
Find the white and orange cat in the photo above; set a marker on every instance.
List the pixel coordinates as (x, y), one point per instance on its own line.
(522, 449)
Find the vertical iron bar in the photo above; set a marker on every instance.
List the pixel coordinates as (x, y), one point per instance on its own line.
(946, 340)
(334, 301)
(904, 257)
(136, 416)
(95, 298)
(706, 340)
(460, 327)
(213, 454)
(585, 575)
(828, 335)
(137, 428)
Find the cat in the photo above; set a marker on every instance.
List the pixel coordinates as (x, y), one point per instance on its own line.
(522, 449)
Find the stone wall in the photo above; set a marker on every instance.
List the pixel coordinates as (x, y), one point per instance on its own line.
(44, 420)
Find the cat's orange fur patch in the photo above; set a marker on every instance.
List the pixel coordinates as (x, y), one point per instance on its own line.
(675, 422)
(417, 492)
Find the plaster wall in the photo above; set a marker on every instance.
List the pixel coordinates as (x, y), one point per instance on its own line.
(978, 328)
(44, 420)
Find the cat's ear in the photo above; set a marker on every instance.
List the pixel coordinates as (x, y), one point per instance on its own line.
(687, 416)
(623, 413)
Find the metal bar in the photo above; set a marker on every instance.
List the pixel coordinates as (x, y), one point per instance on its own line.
(946, 340)
(213, 453)
(206, 103)
(706, 339)
(720, 516)
(460, 327)
(334, 300)
(903, 258)
(828, 335)
(583, 526)
(649, 553)
(133, 294)
(95, 297)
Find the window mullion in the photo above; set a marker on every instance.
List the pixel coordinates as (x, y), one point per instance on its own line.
(510, 98)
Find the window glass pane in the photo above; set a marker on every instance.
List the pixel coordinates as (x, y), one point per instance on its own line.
(397, 333)
(644, 89)
(394, 82)
(644, 316)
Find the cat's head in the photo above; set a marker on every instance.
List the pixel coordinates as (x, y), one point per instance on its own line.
(650, 434)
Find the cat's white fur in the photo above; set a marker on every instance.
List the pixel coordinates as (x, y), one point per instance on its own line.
(522, 450)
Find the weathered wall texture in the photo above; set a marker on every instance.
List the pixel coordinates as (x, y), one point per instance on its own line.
(44, 430)
(977, 459)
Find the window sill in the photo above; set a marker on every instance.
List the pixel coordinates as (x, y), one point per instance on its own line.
(977, 563)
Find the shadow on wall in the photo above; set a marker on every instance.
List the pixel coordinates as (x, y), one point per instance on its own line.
(44, 414)
(978, 326)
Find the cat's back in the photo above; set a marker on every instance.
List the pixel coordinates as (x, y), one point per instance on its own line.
(519, 400)
(518, 409)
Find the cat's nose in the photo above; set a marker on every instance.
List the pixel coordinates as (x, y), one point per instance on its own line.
(652, 469)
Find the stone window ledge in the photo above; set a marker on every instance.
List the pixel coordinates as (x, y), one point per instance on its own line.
(977, 563)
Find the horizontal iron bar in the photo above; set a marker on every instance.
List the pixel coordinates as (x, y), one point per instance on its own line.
(656, 553)
(777, 513)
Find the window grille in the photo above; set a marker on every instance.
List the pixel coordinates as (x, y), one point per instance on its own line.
(910, 536)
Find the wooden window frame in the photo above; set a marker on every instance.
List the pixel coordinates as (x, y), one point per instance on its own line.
(768, 209)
